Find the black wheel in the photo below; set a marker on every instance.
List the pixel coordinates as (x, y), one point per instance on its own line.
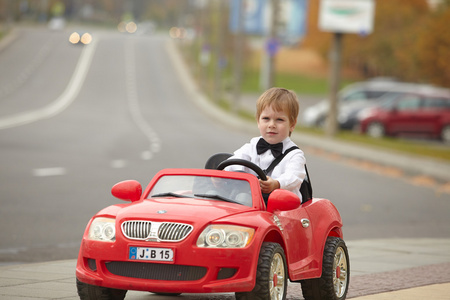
(445, 134)
(271, 275)
(376, 130)
(333, 285)
(245, 163)
(93, 292)
(322, 122)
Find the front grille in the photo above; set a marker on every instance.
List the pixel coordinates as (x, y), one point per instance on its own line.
(138, 230)
(155, 271)
(156, 231)
(173, 231)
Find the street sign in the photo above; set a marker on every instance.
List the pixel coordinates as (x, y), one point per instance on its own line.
(347, 16)
(272, 46)
(257, 17)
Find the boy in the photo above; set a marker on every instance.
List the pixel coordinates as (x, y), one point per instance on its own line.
(276, 114)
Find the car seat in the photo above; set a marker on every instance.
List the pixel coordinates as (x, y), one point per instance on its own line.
(214, 161)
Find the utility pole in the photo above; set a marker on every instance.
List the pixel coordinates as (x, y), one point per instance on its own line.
(267, 73)
(335, 59)
(217, 94)
(238, 49)
(273, 42)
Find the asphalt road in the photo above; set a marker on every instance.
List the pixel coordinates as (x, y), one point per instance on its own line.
(75, 120)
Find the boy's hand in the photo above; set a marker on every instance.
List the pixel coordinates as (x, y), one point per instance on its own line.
(269, 185)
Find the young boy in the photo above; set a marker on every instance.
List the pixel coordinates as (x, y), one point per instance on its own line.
(276, 114)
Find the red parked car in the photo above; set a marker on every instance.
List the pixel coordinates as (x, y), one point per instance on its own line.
(421, 113)
(210, 231)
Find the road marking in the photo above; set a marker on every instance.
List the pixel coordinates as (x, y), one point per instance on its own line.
(146, 155)
(133, 103)
(118, 164)
(63, 101)
(45, 172)
(28, 71)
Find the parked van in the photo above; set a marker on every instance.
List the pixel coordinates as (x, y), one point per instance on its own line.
(423, 112)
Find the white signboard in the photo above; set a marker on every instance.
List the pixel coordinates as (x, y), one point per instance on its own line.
(347, 16)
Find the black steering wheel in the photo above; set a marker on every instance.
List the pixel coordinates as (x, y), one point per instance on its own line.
(245, 163)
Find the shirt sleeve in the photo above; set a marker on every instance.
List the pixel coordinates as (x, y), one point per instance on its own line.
(291, 172)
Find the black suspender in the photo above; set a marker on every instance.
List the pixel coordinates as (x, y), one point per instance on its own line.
(278, 159)
(305, 188)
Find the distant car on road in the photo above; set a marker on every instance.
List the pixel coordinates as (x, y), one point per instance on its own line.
(424, 112)
(83, 38)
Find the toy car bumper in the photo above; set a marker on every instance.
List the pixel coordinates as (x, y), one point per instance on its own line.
(198, 270)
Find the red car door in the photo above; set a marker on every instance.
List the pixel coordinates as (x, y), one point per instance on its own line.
(434, 112)
(406, 116)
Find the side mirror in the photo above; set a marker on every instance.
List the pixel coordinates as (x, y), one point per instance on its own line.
(282, 200)
(128, 190)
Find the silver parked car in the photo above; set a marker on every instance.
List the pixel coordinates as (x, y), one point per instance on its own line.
(352, 99)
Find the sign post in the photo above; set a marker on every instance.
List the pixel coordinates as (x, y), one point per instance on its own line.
(279, 21)
(339, 17)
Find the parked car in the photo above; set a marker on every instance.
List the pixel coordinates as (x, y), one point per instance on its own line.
(361, 91)
(210, 231)
(348, 113)
(353, 99)
(424, 112)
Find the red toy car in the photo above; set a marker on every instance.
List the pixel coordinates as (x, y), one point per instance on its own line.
(210, 231)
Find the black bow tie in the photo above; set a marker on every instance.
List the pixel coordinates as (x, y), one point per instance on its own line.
(263, 146)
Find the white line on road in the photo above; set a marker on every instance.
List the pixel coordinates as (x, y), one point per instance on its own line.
(44, 172)
(63, 101)
(133, 102)
(118, 164)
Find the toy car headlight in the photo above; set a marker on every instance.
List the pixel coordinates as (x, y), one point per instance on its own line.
(103, 229)
(225, 236)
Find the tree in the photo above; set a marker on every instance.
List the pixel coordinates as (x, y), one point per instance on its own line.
(410, 41)
(391, 48)
(434, 47)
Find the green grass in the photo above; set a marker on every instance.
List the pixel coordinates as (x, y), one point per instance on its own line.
(302, 84)
(425, 148)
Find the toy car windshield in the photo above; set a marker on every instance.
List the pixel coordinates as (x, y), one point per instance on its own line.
(203, 187)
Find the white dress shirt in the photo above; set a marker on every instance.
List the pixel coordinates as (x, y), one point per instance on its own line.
(290, 172)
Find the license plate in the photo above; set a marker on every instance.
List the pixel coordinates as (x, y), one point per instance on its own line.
(155, 254)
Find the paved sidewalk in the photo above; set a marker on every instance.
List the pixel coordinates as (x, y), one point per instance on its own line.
(400, 269)
(434, 292)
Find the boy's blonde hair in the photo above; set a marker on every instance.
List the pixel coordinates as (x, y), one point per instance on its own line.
(279, 99)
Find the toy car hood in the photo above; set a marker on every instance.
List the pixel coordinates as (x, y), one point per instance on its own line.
(180, 210)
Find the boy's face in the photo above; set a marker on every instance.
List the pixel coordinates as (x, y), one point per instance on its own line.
(274, 126)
